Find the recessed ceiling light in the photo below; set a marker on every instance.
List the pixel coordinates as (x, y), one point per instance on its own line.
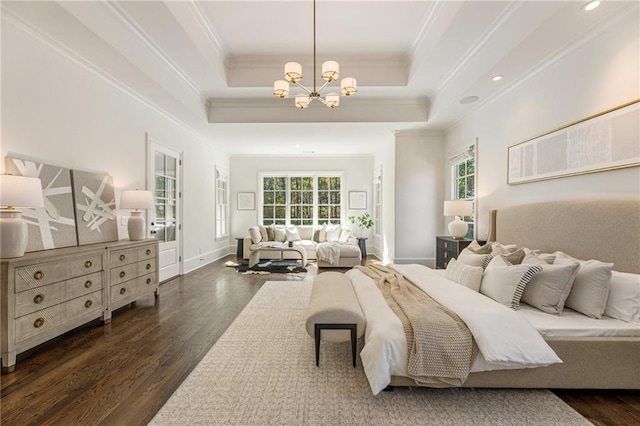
(497, 78)
(591, 5)
(469, 99)
(297, 145)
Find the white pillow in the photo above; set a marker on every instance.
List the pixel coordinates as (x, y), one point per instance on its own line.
(333, 233)
(546, 257)
(280, 234)
(497, 248)
(505, 284)
(345, 235)
(548, 289)
(468, 276)
(292, 234)
(624, 297)
(468, 257)
(306, 232)
(590, 289)
(255, 234)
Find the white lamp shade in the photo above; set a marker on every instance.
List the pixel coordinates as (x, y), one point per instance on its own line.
(330, 70)
(281, 88)
(292, 71)
(349, 86)
(302, 101)
(136, 199)
(458, 208)
(20, 191)
(332, 100)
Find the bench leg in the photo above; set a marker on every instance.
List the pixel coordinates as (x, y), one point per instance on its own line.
(354, 339)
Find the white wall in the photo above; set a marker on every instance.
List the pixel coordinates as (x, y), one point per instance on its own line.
(419, 195)
(384, 245)
(602, 73)
(358, 172)
(58, 111)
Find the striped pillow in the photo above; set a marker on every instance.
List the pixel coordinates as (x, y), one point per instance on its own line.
(505, 284)
(468, 276)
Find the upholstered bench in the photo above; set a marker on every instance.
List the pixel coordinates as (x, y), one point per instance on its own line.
(334, 308)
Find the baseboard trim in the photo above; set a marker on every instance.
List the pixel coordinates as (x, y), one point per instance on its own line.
(203, 259)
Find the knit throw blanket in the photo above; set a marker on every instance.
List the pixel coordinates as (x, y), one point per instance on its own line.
(440, 346)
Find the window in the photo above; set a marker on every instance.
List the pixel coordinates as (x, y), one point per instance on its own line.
(301, 199)
(222, 203)
(377, 203)
(464, 182)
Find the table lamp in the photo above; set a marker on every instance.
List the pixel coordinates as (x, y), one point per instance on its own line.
(16, 191)
(458, 229)
(136, 200)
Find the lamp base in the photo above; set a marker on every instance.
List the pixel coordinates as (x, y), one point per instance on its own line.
(136, 226)
(458, 229)
(13, 234)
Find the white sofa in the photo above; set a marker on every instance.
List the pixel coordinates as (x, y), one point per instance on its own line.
(308, 237)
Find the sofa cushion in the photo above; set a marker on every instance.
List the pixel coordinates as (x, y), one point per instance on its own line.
(306, 232)
(255, 234)
(263, 232)
(280, 234)
(345, 235)
(333, 233)
(292, 234)
(271, 235)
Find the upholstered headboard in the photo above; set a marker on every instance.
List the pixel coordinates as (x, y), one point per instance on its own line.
(607, 230)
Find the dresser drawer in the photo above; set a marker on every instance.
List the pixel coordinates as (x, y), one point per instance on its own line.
(134, 270)
(42, 297)
(34, 276)
(132, 255)
(132, 287)
(42, 321)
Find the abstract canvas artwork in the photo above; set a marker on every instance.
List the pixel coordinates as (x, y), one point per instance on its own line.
(54, 225)
(95, 206)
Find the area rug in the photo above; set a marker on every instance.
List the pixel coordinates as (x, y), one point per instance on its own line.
(273, 266)
(262, 372)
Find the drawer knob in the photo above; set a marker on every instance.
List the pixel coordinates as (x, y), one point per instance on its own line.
(38, 323)
(88, 304)
(148, 266)
(88, 264)
(148, 251)
(122, 274)
(122, 257)
(446, 245)
(148, 280)
(38, 275)
(88, 284)
(446, 254)
(39, 298)
(123, 290)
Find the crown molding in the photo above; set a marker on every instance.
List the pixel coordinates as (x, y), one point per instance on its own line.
(611, 20)
(95, 69)
(273, 110)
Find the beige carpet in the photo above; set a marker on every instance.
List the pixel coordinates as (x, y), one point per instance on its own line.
(262, 372)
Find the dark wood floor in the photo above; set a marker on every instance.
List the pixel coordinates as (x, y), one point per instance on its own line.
(122, 373)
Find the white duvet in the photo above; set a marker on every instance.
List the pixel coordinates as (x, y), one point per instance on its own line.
(505, 340)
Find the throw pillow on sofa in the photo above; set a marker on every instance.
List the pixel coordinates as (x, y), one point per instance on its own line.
(306, 232)
(333, 233)
(292, 234)
(255, 234)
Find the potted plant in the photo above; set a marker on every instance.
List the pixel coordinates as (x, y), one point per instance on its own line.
(363, 222)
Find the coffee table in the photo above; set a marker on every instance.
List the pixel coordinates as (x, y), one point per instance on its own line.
(254, 258)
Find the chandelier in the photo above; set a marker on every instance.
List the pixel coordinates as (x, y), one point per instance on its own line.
(330, 73)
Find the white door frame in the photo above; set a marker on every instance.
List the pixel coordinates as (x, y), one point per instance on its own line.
(152, 145)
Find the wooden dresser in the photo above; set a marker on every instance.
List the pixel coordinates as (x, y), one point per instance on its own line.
(448, 248)
(47, 293)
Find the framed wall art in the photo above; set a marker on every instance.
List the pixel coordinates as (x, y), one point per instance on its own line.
(95, 205)
(246, 201)
(606, 141)
(357, 200)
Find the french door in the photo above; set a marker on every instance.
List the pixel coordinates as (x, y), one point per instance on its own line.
(164, 177)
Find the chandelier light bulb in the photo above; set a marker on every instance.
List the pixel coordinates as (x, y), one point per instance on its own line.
(293, 72)
(332, 100)
(330, 71)
(349, 86)
(281, 88)
(302, 101)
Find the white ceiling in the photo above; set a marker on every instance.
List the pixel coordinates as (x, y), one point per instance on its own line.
(211, 64)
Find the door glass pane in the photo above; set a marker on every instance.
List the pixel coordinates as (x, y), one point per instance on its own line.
(171, 167)
(170, 210)
(160, 210)
(170, 234)
(159, 166)
(160, 184)
(159, 230)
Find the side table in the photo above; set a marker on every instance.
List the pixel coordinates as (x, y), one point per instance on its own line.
(362, 244)
(240, 249)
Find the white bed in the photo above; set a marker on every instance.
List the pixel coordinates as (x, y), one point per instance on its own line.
(595, 353)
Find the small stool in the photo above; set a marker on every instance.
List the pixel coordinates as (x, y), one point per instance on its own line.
(334, 307)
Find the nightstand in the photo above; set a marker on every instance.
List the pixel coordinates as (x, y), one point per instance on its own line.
(447, 248)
